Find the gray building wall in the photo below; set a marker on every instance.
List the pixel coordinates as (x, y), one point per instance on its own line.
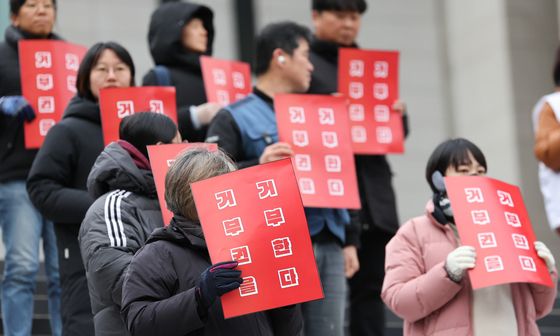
(468, 68)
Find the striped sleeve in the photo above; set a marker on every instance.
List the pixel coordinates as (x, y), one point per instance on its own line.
(113, 219)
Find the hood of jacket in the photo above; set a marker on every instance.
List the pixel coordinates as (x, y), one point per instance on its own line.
(13, 35)
(164, 35)
(83, 108)
(115, 169)
(181, 231)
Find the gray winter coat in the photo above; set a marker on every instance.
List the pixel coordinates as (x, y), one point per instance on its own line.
(115, 227)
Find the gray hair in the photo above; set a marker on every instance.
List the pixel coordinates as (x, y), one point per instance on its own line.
(191, 166)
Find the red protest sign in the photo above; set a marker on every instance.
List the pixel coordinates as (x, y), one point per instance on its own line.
(317, 128)
(48, 81)
(492, 217)
(225, 81)
(369, 78)
(254, 216)
(117, 103)
(161, 158)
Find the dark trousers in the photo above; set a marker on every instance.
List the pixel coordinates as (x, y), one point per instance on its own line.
(367, 311)
(75, 306)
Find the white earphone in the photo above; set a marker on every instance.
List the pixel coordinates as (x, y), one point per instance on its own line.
(281, 59)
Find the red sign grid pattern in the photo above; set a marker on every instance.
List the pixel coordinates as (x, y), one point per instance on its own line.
(48, 76)
(256, 221)
(492, 217)
(225, 81)
(370, 80)
(317, 128)
(117, 103)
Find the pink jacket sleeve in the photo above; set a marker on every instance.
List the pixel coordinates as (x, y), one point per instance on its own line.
(544, 296)
(409, 290)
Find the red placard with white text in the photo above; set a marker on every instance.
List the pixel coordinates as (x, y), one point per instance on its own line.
(48, 81)
(491, 216)
(225, 81)
(255, 216)
(317, 128)
(117, 103)
(161, 158)
(370, 79)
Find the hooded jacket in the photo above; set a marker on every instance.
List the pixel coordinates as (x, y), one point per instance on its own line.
(159, 291)
(166, 48)
(15, 158)
(418, 290)
(125, 213)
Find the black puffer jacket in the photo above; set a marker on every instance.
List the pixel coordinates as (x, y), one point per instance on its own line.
(115, 227)
(159, 291)
(164, 38)
(57, 180)
(14, 158)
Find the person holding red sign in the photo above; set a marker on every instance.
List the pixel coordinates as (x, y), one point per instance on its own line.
(125, 213)
(179, 34)
(426, 282)
(171, 288)
(22, 225)
(546, 125)
(337, 25)
(247, 130)
(57, 180)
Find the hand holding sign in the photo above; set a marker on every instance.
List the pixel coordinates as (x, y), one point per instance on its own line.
(215, 281)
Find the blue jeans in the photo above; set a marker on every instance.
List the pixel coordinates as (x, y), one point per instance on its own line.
(326, 317)
(22, 229)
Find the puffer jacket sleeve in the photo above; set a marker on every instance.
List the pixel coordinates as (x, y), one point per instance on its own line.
(109, 236)
(149, 306)
(547, 138)
(50, 180)
(409, 290)
(544, 296)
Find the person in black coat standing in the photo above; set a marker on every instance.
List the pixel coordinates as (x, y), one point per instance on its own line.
(179, 34)
(22, 225)
(172, 288)
(337, 23)
(57, 180)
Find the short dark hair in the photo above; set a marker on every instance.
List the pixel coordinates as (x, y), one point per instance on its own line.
(359, 6)
(147, 128)
(452, 152)
(284, 35)
(15, 5)
(90, 60)
(556, 73)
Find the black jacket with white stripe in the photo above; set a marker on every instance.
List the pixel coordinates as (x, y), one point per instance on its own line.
(115, 227)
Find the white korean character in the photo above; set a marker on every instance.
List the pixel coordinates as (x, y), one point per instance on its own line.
(356, 112)
(300, 138)
(326, 116)
(356, 68)
(336, 187)
(225, 199)
(330, 139)
(380, 91)
(44, 82)
(288, 277)
(45, 104)
(156, 106)
(297, 114)
(381, 113)
(303, 162)
(380, 69)
(274, 217)
(359, 134)
(125, 108)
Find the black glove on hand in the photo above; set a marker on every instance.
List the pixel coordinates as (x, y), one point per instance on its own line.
(215, 281)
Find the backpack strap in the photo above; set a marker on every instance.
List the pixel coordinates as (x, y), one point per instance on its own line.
(163, 77)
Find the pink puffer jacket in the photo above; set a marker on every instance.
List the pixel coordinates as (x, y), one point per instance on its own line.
(417, 289)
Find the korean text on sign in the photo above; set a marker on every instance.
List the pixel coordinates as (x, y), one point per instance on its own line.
(255, 216)
(317, 128)
(117, 103)
(225, 81)
(48, 82)
(369, 78)
(491, 216)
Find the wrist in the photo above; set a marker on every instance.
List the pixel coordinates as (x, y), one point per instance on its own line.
(453, 276)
